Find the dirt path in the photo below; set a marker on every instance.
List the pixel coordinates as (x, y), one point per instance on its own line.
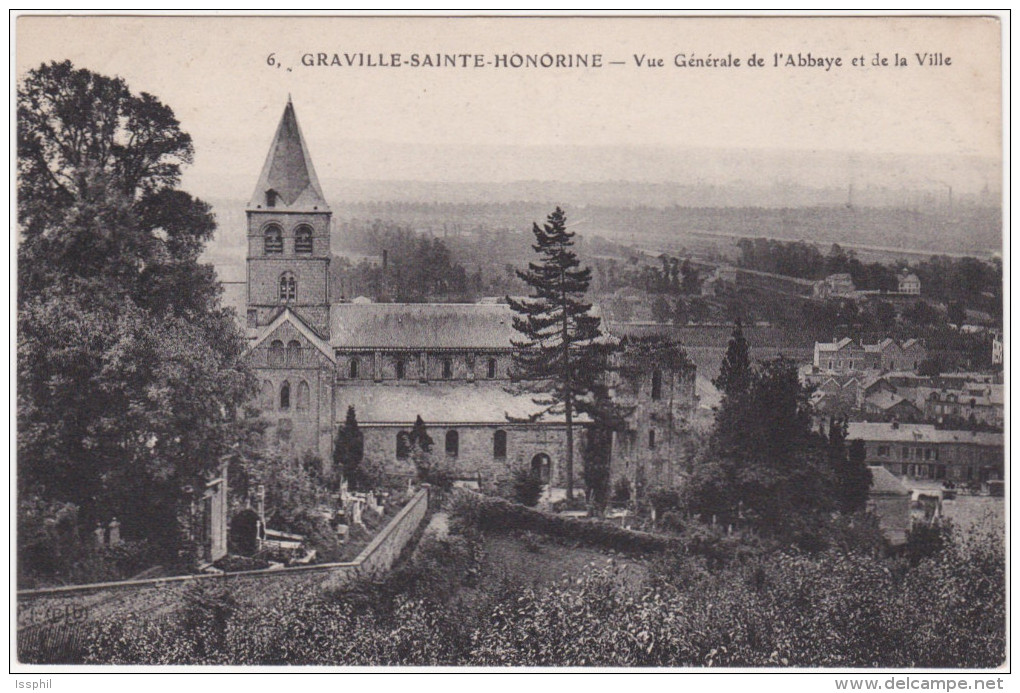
(438, 527)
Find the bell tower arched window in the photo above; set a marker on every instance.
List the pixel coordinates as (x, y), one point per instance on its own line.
(303, 239)
(400, 369)
(499, 444)
(272, 239)
(288, 287)
(353, 369)
(490, 372)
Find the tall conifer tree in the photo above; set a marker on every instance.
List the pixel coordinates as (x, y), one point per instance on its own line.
(350, 449)
(559, 356)
(735, 372)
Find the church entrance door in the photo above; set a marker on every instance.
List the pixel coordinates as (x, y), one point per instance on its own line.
(540, 466)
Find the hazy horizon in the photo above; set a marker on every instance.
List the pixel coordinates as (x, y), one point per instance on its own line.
(647, 166)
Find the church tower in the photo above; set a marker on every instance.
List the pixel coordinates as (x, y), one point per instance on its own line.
(288, 235)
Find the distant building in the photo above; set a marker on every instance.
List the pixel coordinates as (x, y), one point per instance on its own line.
(841, 284)
(845, 356)
(890, 406)
(835, 395)
(840, 357)
(909, 284)
(920, 451)
(975, 402)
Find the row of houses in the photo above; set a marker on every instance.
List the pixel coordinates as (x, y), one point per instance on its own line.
(922, 451)
(848, 356)
(970, 398)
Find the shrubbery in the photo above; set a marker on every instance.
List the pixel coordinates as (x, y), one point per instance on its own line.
(52, 550)
(727, 600)
(527, 487)
(496, 514)
(770, 608)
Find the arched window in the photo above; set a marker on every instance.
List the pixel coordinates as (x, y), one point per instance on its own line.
(651, 439)
(447, 369)
(352, 369)
(288, 287)
(452, 443)
(303, 395)
(499, 444)
(303, 239)
(656, 384)
(491, 369)
(272, 240)
(285, 395)
(266, 399)
(400, 369)
(403, 446)
(293, 352)
(276, 353)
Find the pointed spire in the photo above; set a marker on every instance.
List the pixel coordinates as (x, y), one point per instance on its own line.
(288, 178)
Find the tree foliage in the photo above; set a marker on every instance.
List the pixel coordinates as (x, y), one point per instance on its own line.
(764, 465)
(853, 478)
(131, 382)
(349, 450)
(735, 373)
(559, 355)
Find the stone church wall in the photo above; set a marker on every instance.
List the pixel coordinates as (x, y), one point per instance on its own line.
(475, 449)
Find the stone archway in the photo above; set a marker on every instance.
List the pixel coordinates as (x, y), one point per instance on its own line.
(541, 466)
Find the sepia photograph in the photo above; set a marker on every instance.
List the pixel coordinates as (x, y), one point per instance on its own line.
(510, 344)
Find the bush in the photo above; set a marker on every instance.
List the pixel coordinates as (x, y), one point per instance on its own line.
(237, 564)
(53, 551)
(495, 514)
(664, 500)
(527, 487)
(924, 541)
(784, 608)
(565, 504)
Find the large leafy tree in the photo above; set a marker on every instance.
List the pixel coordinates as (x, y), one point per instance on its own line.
(559, 355)
(131, 384)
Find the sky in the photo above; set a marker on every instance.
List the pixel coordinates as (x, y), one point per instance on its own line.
(503, 123)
